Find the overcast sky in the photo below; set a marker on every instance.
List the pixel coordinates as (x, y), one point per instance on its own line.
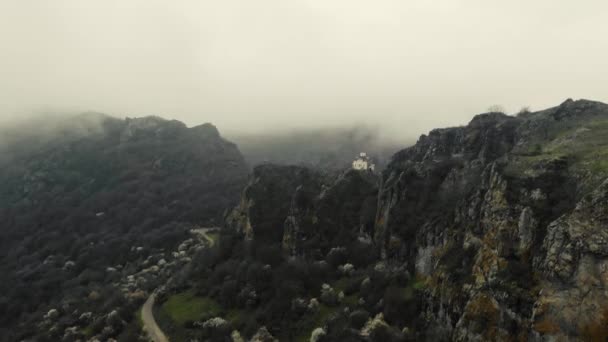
(404, 65)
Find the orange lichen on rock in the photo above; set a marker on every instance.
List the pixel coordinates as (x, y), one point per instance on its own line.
(482, 311)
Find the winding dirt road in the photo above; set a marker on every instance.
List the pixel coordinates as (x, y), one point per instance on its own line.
(149, 323)
(150, 326)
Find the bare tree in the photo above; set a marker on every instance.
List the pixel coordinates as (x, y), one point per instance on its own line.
(496, 109)
(524, 110)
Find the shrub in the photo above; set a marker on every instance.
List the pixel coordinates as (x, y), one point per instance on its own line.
(358, 318)
(496, 109)
(337, 256)
(400, 305)
(524, 110)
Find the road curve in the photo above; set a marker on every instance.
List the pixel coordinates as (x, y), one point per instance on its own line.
(150, 326)
(149, 323)
(202, 232)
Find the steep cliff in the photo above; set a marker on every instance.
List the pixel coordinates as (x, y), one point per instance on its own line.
(499, 226)
(266, 201)
(304, 211)
(493, 217)
(340, 215)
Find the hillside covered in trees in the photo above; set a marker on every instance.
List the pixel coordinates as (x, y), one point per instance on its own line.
(81, 197)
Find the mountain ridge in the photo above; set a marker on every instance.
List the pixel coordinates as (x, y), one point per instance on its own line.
(494, 222)
(494, 230)
(90, 192)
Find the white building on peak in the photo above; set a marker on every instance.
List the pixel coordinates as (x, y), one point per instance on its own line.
(363, 162)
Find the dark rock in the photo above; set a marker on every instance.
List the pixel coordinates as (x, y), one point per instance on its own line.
(490, 207)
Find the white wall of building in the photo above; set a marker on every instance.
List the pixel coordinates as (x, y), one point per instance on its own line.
(360, 164)
(363, 163)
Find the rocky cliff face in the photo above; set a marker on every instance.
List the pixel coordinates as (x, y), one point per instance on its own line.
(573, 261)
(267, 199)
(343, 212)
(307, 213)
(503, 221)
(498, 218)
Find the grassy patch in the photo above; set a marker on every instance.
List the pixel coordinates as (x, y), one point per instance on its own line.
(214, 236)
(139, 319)
(419, 284)
(324, 312)
(314, 321)
(187, 307)
(585, 145)
(351, 301)
(236, 316)
(341, 284)
(88, 331)
(184, 307)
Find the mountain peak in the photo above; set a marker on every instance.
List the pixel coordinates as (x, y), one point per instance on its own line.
(489, 118)
(207, 130)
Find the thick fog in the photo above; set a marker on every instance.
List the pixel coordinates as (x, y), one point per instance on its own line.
(253, 66)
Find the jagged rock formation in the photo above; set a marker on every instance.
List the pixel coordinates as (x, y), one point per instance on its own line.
(495, 216)
(503, 221)
(342, 213)
(266, 200)
(306, 212)
(573, 259)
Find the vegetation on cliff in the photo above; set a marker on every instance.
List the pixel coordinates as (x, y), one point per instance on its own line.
(490, 231)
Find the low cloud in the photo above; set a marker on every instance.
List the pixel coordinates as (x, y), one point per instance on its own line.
(273, 65)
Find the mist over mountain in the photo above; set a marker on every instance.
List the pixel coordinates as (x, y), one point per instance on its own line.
(484, 231)
(194, 171)
(83, 195)
(407, 67)
(323, 148)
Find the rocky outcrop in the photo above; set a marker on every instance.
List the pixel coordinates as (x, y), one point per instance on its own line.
(341, 213)
(574, 263)
(488, 215)
(306, 212)
(267, 200)
(500, 224)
